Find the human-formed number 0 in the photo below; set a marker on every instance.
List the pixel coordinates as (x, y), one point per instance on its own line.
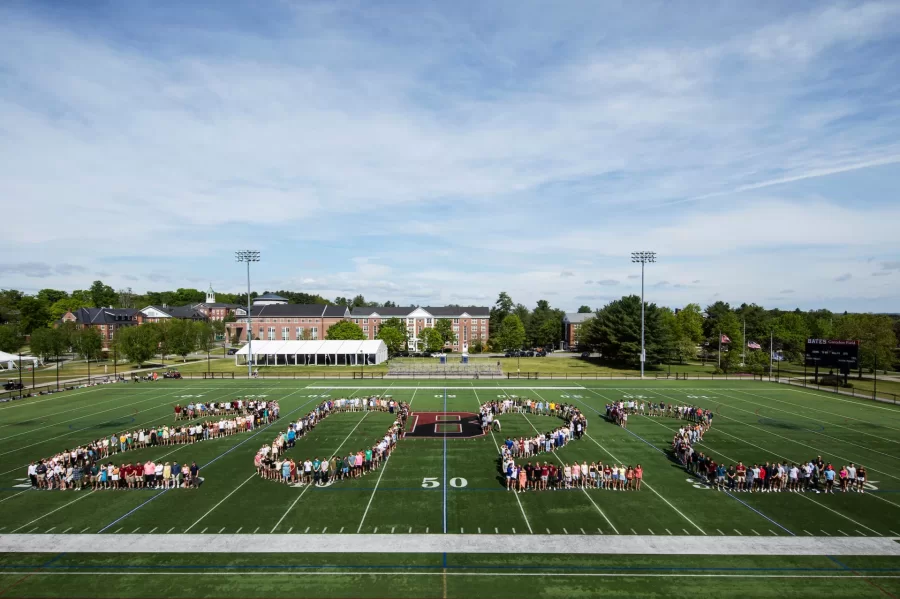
(431, 482)
(439, 395)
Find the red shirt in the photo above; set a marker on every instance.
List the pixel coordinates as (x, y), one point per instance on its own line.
(762, 473)
(741, 469)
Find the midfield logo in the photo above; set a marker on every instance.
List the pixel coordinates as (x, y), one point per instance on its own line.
(437, 425)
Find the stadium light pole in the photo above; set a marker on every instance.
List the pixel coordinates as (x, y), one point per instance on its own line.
(248, 256)
(643, 258)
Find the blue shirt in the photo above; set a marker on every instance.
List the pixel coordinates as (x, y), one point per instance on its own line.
(829, 475)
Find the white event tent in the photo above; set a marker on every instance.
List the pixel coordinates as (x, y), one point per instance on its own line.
(11, 360)
(310, 353)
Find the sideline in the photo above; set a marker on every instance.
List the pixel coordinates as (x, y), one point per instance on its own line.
(445, 543)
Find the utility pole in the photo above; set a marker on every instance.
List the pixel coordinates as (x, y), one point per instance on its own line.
(643, 258)
(248, 256)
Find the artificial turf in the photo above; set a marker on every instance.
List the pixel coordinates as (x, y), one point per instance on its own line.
(754, 422)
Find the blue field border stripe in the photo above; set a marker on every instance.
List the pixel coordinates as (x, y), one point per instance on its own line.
(157, 496)
(729, 493)
(445, 465)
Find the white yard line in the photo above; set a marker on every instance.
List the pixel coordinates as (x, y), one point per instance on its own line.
(823, 412)
(16, 495)
(516, 495)
(118, 407)
(132, 425)
(60, 395)
(371, 497)
(54, 511)
(893, 457)
(451, 543)
(73, 432)
(380, 474)
(831, 396)
(719, 430)
(644, 483)
(309, 486)
(235, 490)
(558, 459)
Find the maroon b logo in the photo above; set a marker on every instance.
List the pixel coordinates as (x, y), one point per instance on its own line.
(437, 425)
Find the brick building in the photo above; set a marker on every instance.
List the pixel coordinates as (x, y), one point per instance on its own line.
(106, 320)
(285, 322)
(470, 323)
(215, 310)
(572, 322)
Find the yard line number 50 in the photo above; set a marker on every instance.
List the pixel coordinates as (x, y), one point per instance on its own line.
(431, 482)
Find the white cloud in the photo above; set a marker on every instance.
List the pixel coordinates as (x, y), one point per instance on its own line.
(843, 277)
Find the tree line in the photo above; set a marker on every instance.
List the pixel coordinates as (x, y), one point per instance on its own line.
(22, 314)
(692, 332)
(137, 344)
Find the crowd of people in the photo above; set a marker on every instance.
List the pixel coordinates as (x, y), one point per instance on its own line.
(262, 411)
(813, 476)
(77, 470)
(93, 466)
(273, 465)
(521, 474)
(619, 411)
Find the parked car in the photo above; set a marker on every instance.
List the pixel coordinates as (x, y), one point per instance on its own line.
(585, 354)
(232, 351)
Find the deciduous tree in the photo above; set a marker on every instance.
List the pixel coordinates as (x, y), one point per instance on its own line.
(431, 339)
(512, 333)
(138, 343)
(345, 330)
(10, 340)
(444, 326)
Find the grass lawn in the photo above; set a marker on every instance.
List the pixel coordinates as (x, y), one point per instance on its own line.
(448, 489)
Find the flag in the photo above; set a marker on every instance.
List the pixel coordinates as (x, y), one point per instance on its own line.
(753, 345)
(777, 356)
(725, 339)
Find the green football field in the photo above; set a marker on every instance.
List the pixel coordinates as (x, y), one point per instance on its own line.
(436, 520)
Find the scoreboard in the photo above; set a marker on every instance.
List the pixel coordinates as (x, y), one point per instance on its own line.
(832, 353)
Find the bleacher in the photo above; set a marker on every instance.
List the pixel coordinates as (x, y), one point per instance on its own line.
(432, 368)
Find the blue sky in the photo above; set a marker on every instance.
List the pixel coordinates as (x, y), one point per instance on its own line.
(436, 153)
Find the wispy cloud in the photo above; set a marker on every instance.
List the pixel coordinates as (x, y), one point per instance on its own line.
(470, 154)
(843, 277)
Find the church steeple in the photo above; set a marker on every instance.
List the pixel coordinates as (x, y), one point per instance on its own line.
(210, 295)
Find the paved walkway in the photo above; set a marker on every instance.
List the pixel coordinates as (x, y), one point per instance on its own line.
(306, 543)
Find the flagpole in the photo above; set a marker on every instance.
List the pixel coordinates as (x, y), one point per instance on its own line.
(771, 352)
(720, 350)
(744, 349)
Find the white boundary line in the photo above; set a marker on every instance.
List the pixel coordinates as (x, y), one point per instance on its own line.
(674, 545)
(844, 574)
